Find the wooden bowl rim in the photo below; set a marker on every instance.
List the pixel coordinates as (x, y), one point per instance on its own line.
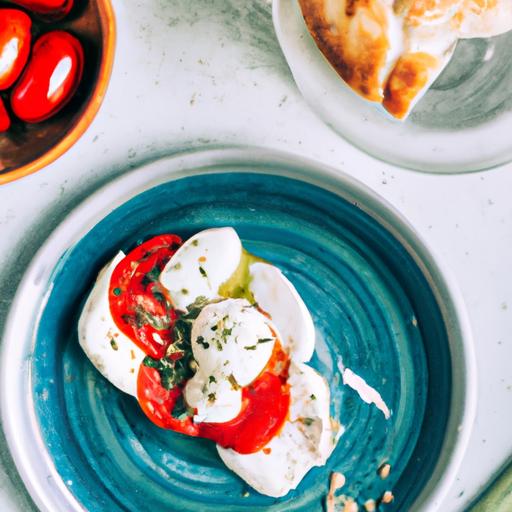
(108, 28)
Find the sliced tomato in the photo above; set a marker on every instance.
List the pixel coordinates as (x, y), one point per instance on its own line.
(140, 305)
(265, 405)
(158, 402)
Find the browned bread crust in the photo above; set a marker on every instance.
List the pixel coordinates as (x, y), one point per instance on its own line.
(357, 56)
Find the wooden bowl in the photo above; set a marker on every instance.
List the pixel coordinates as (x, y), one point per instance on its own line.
(26, 148)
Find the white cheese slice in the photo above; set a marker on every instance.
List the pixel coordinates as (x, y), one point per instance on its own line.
(232, 343)
(114, 355)
(306, 440)
(277, 296)
(201, 265)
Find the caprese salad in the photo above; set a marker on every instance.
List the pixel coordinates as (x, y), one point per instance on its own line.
(213, 342)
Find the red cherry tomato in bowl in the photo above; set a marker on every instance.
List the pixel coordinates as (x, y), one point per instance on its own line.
(5, 120)
(14, 45)
(50, 78)
(51, 9)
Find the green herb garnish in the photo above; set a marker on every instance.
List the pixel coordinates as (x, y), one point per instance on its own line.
(233, 382)
(200, 341)
(180, 410)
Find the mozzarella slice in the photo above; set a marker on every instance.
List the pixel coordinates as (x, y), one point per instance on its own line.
(216, 401)
(232, 343)
(201, 265)
(113, 354)
(277, 296)
(484, 18)
(306, 439)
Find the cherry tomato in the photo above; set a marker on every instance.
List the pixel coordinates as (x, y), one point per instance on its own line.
(139, 304)
(5, 120)
(50, 9)
(50, 78)
(14, 45)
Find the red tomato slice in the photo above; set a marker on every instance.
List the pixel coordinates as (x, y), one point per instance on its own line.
(50, 9)
(265, 406)
(5, 120)
(51, 77)
(15, 40)
(158, 402)
(139, 304)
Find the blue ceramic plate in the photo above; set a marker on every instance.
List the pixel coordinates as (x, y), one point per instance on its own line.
(380, 305)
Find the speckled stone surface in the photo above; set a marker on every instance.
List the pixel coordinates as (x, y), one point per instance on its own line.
(200, 73)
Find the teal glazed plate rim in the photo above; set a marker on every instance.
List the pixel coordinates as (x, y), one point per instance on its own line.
(382, 302)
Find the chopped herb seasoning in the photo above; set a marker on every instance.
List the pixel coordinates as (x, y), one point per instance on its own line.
(144, 317)
(173, 372)
(180, 410)
(211, 397)
(233, 382)
(184, 291)
(113, 344)
(202, 271)
(307, 421)
(214, 327)
(195, 243)
(116, 291)
(152, 276)
(313, 397)
(159, 296)
(178, 365)
(265, 340)
(211, 379)
(177, 266)
(250, 347)
(200, 341)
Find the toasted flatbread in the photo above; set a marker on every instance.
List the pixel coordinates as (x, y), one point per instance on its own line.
(354, 37)
(390, 51)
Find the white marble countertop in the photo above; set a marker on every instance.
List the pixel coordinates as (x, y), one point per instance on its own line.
(195, 73)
